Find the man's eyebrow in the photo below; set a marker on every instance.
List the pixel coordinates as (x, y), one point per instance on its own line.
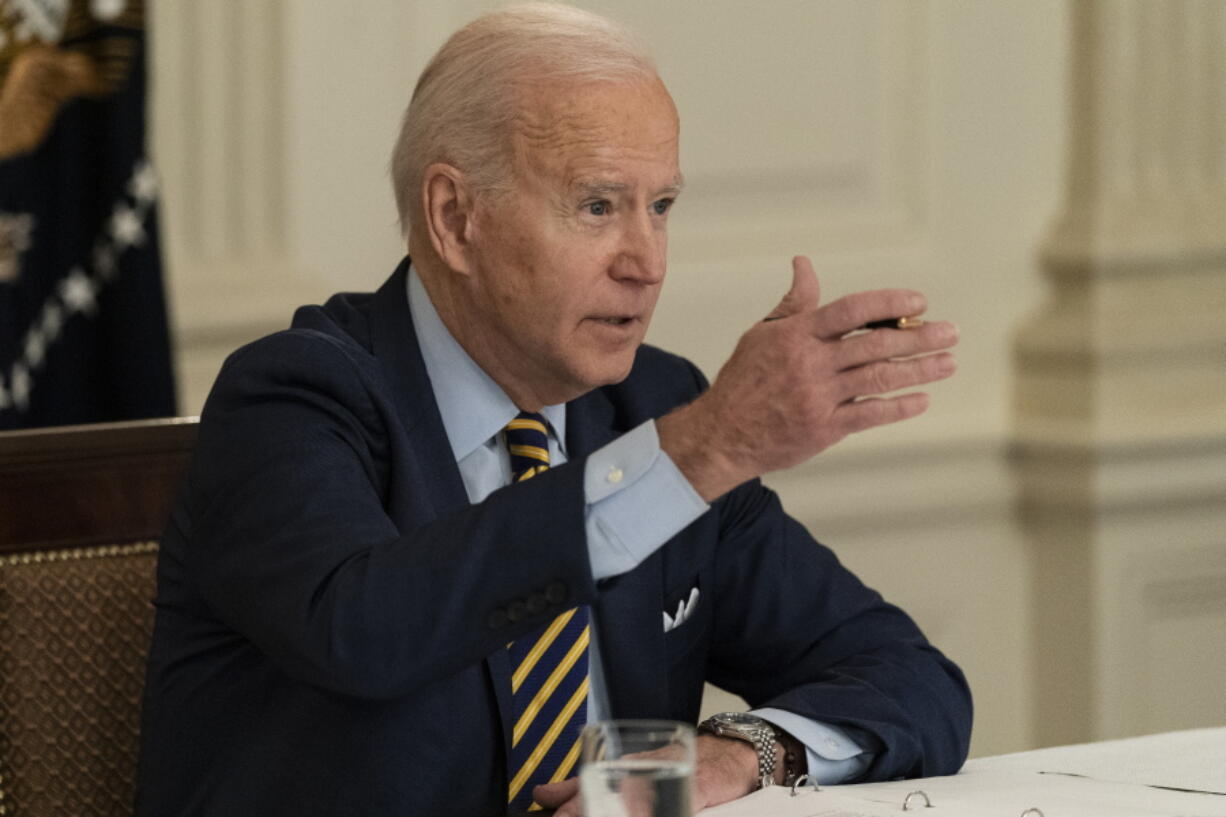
(598, 187)
(673, 188)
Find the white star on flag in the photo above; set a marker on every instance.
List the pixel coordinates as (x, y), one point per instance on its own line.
(126, 227)
(106, 10)
(21, 386)
(144, 184)
(53, 319)
(79, 292)
(36, 347)
(104, 261)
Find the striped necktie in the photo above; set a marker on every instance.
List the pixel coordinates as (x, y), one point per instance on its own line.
(549, 680)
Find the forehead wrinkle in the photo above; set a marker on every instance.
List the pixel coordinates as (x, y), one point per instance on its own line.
(536, 140)
(551, 122)
(559, 115)
(560, 135)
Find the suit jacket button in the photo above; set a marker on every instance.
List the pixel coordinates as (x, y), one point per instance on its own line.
(537, 603)
(516, 610)
(498, 619)
(555, 592)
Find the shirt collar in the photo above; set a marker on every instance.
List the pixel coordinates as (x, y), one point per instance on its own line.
(473, 406)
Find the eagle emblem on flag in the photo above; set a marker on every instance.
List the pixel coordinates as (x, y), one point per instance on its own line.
(84, 335)
(49, 56)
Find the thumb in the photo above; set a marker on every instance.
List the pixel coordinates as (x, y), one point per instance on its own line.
(554, 795)
(805, 293)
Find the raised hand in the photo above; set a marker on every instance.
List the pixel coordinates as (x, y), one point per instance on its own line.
(803, 380)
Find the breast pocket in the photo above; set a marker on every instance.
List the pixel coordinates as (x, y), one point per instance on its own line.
(684, 618)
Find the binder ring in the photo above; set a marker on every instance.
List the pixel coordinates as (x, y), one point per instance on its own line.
(1032, 812)
(906, 803)
(800, 783)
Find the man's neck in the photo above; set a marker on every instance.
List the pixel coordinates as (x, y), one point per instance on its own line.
(454, 307)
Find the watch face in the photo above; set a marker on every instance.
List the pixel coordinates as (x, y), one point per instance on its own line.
(739, 718)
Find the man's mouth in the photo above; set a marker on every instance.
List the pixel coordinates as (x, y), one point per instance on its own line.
(614, 321)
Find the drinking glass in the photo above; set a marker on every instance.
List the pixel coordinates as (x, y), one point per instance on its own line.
(637, 769)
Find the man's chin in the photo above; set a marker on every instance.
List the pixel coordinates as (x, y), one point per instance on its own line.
(609, 373)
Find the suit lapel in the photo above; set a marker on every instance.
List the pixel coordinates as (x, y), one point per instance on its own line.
(395, 345)
(627, 609)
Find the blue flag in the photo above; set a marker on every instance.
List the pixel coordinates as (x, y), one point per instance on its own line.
(83, 329)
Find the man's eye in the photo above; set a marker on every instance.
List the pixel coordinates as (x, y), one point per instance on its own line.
(662, 206)
(597, 208)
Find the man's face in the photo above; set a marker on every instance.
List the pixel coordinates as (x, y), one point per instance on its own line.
(567, 267)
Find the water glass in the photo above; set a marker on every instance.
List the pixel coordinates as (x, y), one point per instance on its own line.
(637, 769)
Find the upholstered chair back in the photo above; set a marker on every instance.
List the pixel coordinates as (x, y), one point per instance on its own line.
(81, 509)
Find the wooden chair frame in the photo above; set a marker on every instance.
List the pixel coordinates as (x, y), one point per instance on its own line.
(81, 510)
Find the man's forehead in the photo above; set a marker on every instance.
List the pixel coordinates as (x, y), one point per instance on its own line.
(590, 134)
(557, 114)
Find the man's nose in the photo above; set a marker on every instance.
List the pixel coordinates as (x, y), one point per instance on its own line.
(643, 251)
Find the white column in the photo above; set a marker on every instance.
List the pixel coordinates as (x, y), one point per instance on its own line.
(218, 106)
(1121, 384)
(272, 125)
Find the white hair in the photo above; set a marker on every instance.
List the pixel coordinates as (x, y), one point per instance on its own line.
(465, 100)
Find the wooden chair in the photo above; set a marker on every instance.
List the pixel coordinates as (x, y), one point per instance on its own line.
(81, 510)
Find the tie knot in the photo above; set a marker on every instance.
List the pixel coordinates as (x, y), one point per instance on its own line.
(528, 443)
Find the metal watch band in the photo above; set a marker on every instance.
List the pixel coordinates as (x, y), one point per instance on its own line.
(764, 742)
(760, 735)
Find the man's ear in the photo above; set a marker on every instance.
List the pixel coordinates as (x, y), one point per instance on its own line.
(447, 202)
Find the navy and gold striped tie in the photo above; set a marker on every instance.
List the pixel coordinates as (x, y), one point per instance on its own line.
(549, 678)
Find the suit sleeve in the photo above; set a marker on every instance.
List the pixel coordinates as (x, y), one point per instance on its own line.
(288, 539)
(797, 631)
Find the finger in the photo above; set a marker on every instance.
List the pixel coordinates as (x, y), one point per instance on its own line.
(571, 808)
(849, 313)
(553, 795)
(860, 415)
(884, 344)
(805, 293)
(886, 376)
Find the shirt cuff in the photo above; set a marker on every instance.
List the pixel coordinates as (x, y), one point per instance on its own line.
(833, 756)
(637, 499)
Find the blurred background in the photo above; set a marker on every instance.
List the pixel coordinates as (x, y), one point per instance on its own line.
(1051, 173)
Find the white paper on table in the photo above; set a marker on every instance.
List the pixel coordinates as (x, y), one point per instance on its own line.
(1194, 760)
(778, 801)
(978, 793)
(1009, 792)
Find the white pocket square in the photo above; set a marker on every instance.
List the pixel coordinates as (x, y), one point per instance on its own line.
(685, 609)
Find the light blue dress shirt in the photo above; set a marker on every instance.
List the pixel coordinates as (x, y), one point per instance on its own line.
(637, 499)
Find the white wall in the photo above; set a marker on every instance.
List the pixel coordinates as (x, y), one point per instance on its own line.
(897, 142)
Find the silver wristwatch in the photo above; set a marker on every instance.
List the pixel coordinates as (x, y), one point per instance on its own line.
(751, 729)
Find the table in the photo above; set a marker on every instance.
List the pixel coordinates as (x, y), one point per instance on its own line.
(1176, 774)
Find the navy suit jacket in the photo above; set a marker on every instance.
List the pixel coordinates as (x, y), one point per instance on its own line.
(332, 613)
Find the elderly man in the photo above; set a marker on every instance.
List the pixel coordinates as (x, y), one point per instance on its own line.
(430, 531)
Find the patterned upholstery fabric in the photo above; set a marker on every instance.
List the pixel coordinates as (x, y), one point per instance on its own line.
(74, 632)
